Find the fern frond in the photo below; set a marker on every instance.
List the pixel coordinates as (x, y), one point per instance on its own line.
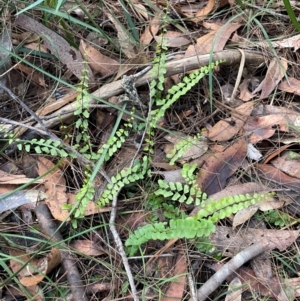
(124, 177)
(216, 210)
(180, 228)
(179, 90)
(183, 193)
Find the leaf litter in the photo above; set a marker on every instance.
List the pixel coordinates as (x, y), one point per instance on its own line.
(229, 132)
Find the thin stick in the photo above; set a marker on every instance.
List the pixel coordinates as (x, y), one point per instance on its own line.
(49, 228)
(237, 261)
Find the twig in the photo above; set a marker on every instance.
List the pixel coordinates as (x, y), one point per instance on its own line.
(237, 261)
(192, 287)
(48, 134)
(173, 67)
(239, 76)
(24, 106)
(120, 248)
(49, 227)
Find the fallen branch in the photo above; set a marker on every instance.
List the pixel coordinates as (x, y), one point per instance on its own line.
(173, 67)
(237, 261)
(49, 228)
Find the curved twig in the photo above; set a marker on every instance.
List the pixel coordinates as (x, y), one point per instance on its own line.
(237, 261)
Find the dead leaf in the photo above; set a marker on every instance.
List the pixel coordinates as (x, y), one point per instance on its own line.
(150, 31)
(87, 247)
(177, 286)
(275, 73)
(288, 162)
(276, 176)
(173, 39)
(198, 148)
(7, 178)
(171, 175)
(243, 215)
(226, 129)
(215, 40)
(37, 46)
(230, 242)
(34, 271)
(245, 94)
(34, 75)
(291, 42)
(57, 45)
(235, 290)
(211, 6)
(218, 167)
(91, 207)
(291, 85)
(126, 44)
(55, 186)
(139, 61)
(98, 61)
(264, 127)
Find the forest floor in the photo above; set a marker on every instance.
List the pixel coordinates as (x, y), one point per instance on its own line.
(130, 175)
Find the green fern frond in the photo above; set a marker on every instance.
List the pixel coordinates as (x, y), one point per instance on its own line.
(116, 142)
(182, 193)
(180, 228)
(124, 177)
(216, 210)
(43, 146)
(181, 147)
(85, 195)
(179, 90)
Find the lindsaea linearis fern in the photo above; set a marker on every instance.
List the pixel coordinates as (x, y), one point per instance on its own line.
(199, 226)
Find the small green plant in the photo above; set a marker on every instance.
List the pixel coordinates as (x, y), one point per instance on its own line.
(192, 227)
(275, 217)
(187, 193)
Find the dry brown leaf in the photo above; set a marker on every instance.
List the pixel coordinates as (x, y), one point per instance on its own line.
(34, 75)
(87, 247)
(6, 178)
(55, 186)
(126, 45)
(275, 73)
(277, 177)
(177, 286)
(211, 6)
(230, 242)
(37, 46)
(243, 215)
(226, 129)
(139, 61)
(289, 163)
(35, 269)
(264, 127)
(292, 42)
(150, 31)
(245, 94)
(235, 290)
(215, 40)
(171, 175)
(57, 45)
(98, 61)
(196, 150)
(25, 36)
(292, 85)
(218, 167)
(173, 39)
